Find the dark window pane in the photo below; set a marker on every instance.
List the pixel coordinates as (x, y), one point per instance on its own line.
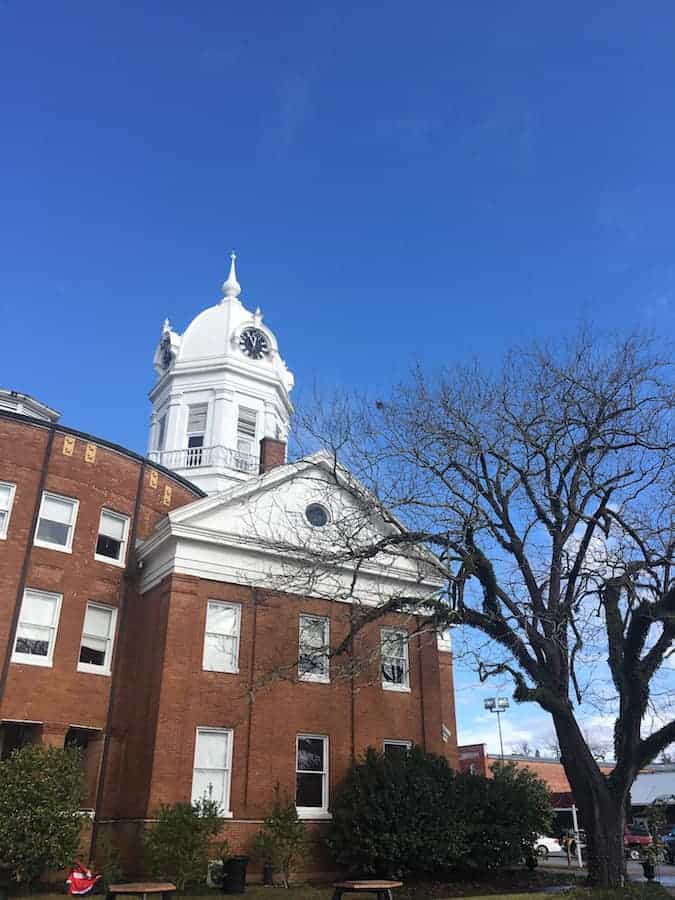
(393, 672)
(310, 755)
(53, 532)
(92, 657)
(107, 546)
(32, 646)
(395, 751)
(309, 790)
(196, 440)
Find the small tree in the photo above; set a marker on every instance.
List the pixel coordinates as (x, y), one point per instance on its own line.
(177, 845)
(283, 838)
(40, 793)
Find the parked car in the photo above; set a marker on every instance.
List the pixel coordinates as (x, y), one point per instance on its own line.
(668, 841)
(545, 845)
(636, 839)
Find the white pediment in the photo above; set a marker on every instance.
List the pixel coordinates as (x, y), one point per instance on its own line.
(258, 533)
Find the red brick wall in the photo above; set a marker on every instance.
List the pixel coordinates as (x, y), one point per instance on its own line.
(61, 696)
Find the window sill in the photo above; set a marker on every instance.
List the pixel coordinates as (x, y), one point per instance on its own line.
(93, 670)
(57, 547)
(221, 671)
(314, 679)
(398, 688)
(25, 660)
(109, 561)
(313, 815)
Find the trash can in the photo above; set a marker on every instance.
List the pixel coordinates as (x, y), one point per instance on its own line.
(234, 874)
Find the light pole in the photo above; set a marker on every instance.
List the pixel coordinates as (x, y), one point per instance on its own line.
(497, 705)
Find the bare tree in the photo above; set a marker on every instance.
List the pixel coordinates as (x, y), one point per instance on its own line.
(545, 492)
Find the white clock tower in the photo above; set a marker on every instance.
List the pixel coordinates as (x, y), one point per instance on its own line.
(221, 389)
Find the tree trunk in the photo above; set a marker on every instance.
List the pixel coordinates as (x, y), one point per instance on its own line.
(602, 812)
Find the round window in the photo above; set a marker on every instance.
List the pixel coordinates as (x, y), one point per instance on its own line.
(317, 515)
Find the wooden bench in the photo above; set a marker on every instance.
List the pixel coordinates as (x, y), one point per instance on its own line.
(143, 889)
(381, 889)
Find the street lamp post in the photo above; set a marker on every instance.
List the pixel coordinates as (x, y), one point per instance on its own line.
(497, 705)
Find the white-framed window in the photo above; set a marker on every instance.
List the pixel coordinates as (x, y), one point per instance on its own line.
(36, 631)
(7, 491)
(111, 543)
(212, 772)
(98, 634)
(56, 522)
(221, 637)
(247, 425)
(396, 749)
(196, 430)
(313, 644)
(395, 668)
(311, 776)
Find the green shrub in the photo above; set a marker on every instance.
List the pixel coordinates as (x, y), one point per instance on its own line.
(40, 793)
(412, 815)
(395, 817)
(282, 841)
(177, 845)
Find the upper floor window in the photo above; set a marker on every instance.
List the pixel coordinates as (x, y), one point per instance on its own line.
(56, 522)
(6, 501)
(247, 424)
(111, 544)
(394, 651)
(98, 633)
(36, 631)
(196, 430)
(212, 771)
(311, 775)
(221, 640)
(313, 662)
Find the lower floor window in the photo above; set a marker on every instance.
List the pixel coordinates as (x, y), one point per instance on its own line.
(311, 774)
(213, 767)
(396, 749)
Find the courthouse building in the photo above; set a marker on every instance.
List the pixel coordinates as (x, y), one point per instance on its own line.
(155, 613)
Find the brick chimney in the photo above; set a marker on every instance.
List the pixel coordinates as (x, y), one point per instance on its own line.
(272, 454)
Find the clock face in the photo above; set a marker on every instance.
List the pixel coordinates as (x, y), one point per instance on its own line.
(253, 343)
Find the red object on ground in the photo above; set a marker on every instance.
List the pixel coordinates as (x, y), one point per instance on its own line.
(81, 881)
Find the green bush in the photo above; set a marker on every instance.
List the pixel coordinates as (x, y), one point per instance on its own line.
(394, 817)
(412, 815)
(177, 845)
(40, 793)
(282, 841)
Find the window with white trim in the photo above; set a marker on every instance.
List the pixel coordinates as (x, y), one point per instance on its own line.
(7, 491)
(56, 522)
(247, 426)
(111, 543)
(37, 627)
(221, 638)
(98, 633)
(394, 651)
(212, 773)
(396, 749)
(313, 644)
(196, 430)
(311, 775)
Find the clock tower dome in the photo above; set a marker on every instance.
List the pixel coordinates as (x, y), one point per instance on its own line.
(222, 389)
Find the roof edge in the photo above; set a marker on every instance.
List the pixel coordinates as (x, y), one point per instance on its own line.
(117, 448)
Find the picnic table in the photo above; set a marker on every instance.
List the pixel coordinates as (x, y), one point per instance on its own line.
(143, 889)
(381, 889)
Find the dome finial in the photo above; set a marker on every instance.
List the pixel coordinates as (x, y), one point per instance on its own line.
(231, 287)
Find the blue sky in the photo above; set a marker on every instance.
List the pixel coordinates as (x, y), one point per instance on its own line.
(403, 183)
